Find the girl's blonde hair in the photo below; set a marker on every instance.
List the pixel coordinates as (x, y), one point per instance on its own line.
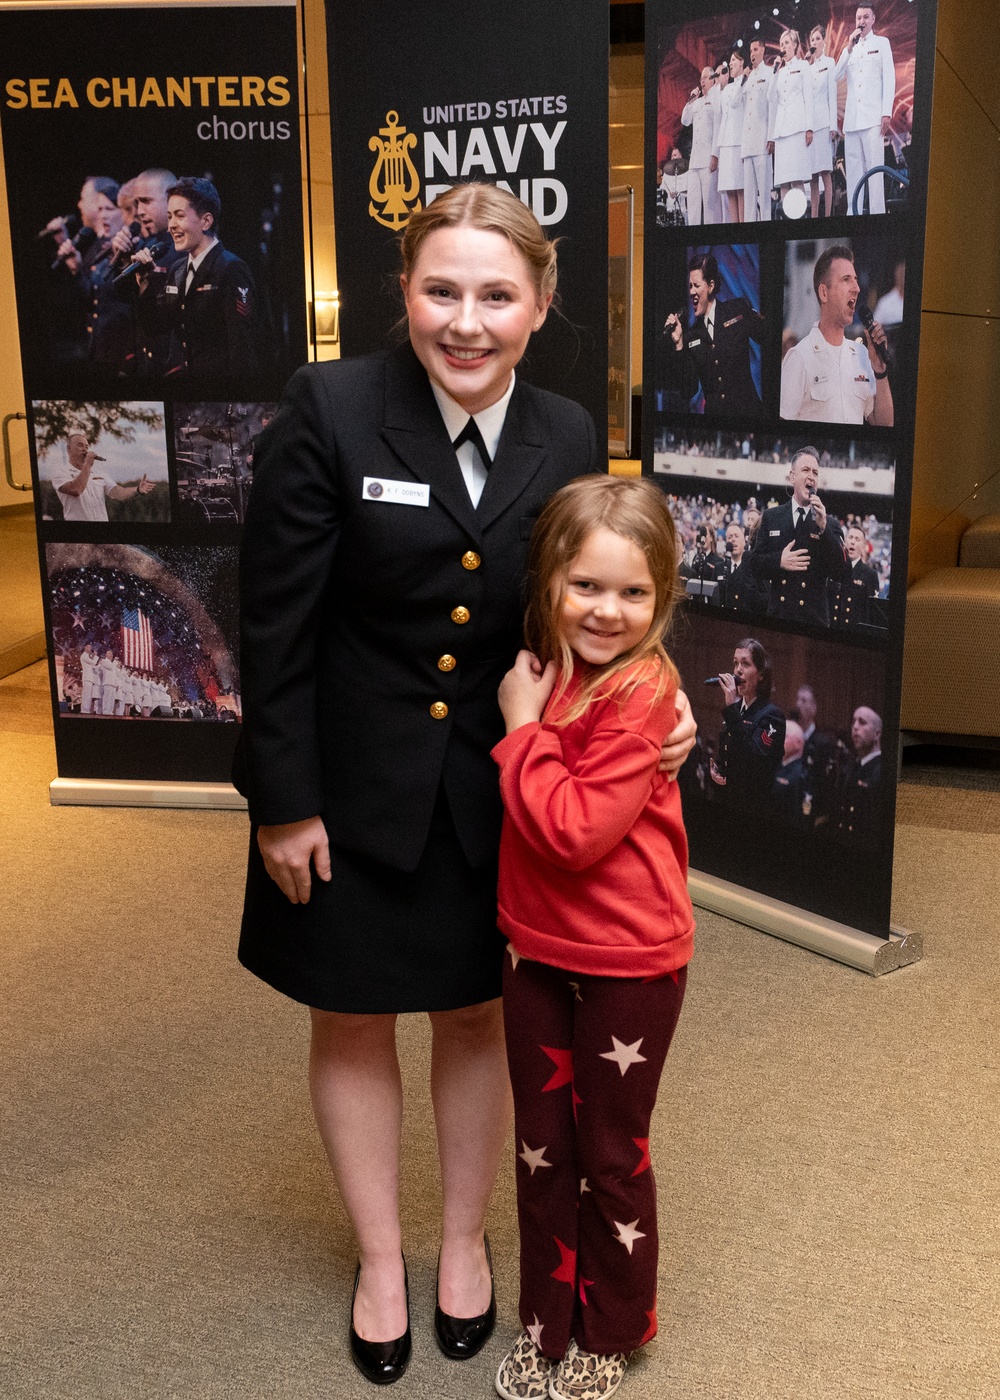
(481, 206)
(636, 510)
(798, 40)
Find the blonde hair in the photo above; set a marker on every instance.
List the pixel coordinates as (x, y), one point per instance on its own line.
(476, 205)
(637, 511)
(798, 40)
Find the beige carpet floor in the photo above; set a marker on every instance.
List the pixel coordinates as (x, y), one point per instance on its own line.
(826, 1143)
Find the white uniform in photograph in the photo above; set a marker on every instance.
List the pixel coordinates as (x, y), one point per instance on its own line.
(824, 383)
(889, 308)
(145, 701)
(90, 688)
(701, 114)
(90, 505)
(824, 76)
(108, 672)
(871, 92)
(126, 690)
(729, 139)
(721, 206)
(757, 177)
(791, 118)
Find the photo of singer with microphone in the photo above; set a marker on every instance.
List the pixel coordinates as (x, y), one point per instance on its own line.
(837, 366)
(125, 482)
(139, 291)
(752, 742)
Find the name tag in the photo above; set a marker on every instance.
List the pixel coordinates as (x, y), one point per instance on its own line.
(693, 343)
(171, 290)
(774, 532)
(401, 493)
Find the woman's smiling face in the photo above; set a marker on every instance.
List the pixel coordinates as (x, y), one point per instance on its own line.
(472, 305)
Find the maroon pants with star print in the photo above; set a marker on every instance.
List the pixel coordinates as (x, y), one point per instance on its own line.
(585, 1057)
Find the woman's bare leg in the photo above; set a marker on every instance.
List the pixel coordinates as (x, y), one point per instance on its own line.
(472, 1109)
(357, 1098)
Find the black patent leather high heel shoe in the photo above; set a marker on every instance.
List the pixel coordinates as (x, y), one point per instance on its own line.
(461, 1337)
(381, 1362)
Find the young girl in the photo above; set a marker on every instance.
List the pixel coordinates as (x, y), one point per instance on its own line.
(593, 898)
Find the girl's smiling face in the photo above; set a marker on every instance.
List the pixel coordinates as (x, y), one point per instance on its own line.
(609, 600)
(472, 305)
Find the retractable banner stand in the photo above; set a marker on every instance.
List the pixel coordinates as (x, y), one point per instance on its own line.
(153, 172)
(786, 168)
(515, 95)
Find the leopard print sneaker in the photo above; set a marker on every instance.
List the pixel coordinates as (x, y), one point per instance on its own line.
(585, 1375)
(524, 1372)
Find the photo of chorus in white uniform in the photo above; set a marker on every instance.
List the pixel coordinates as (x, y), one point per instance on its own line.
(809, 112)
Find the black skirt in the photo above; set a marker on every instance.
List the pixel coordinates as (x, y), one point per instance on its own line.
(373, 939)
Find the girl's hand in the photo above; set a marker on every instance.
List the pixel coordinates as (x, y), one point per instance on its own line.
(288, 852)
(715, 775)
(680, 741)
(525, 689)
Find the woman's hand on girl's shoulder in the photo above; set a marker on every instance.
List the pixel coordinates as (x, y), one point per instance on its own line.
(525, 689)
(680, 741)
(290, 850)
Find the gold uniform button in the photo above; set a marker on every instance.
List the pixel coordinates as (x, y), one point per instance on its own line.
(439, 710)
(460, 614)
(471, 560)
(446, 663)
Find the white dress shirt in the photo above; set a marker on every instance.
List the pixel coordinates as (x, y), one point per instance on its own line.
(490, 424)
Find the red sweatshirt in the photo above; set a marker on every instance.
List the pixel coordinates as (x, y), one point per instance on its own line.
(593, 856)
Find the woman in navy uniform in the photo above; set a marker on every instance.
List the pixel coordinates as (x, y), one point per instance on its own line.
(752, 742)
(383, 557)
(714, 351)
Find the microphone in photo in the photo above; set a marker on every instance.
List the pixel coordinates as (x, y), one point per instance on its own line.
(135, 231)
(65, 228)
(97, 458)
(137, 265)
(867, 318)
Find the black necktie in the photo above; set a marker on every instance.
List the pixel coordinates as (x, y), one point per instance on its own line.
(800, 515)
(471, 433)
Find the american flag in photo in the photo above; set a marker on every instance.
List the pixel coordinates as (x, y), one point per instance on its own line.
(137, 640)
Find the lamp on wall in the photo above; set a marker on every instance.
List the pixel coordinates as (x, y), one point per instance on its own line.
(326, 317)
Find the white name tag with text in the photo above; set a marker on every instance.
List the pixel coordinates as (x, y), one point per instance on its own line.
(400, 493)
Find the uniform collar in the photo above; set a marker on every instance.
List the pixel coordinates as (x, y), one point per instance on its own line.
(197, 262)
(489, 421)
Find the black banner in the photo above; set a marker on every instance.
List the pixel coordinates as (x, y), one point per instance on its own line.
(511, 94)
(154, 181)
(786, 166)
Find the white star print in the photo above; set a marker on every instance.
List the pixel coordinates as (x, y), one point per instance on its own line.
(628, 1234)
(533, 1159)
(624, 1055)
(535, 1332)
(583, 1185)
(514, 957)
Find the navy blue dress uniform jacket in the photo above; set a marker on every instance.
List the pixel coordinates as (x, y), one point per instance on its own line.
(799, 596)
(722, 365)
(751, 747)
(851, 595)
(354, 606)
(215, 329)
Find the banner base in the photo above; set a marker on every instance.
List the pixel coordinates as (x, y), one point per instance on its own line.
(847, 945)
(105, 792)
